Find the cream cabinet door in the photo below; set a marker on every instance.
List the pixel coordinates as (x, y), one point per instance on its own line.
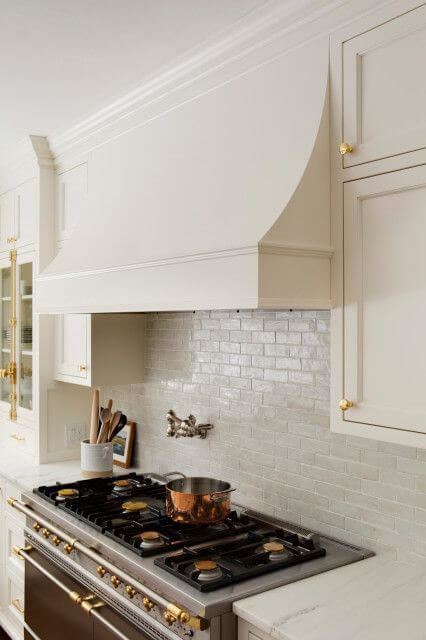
(384, 308)
(7, 220)
(25, 214)
(73, 348)
(384, 89)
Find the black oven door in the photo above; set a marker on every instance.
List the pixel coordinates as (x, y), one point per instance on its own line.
(52, 613)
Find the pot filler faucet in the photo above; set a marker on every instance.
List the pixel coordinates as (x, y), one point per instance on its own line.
(188, 428)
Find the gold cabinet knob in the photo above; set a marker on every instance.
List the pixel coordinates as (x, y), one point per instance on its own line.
(36, 526)
(130, 591)
(82, 367)
(46, 533)
(345, 148)
(169, 617)
(68, 548)
(345, 404)
(56, 541)
(115, 582)
(147, 603)
(101, 571)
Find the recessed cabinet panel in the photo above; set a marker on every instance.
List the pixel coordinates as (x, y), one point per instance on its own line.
(385, 300)
(7, 225)
(25, 210)
(384, 92)
(71, 200)
(73, 347)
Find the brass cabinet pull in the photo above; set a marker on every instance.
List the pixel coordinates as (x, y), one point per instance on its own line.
(16, 437)
(345, 148)
(345, 404)
(131, 592)
(82, 367)
(17, 605)
(101, 571)
(115, 582)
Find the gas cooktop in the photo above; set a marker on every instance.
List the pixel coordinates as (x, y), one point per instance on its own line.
(130, 509)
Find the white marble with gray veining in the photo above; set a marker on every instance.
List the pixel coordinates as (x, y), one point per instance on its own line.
(375, 599)
(23, 472)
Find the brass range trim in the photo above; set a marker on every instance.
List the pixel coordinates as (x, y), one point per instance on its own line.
(171, 611)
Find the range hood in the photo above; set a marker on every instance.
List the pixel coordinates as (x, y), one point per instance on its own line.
(221, 202)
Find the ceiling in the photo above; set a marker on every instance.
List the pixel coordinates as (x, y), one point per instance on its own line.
(61, 60)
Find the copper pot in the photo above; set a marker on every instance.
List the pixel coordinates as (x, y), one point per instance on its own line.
(197, 500)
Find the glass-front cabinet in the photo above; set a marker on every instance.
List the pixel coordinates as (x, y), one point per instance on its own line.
(16, 317)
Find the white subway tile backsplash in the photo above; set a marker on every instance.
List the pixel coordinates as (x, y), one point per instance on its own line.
(262, 378)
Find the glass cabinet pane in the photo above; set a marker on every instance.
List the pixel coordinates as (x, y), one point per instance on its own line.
(5, 315)
(25, 335)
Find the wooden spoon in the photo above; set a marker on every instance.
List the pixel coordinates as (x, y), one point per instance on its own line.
(105, 418)
(113, 423)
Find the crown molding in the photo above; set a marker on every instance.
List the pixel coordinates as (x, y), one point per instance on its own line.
(30, 155)
(274, 29)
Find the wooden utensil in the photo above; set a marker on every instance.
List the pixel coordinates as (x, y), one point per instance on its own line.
(113, 423)
(122, 423)
(105, 417)
(94, 417)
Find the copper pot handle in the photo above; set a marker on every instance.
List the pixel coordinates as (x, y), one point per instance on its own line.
(174, 473)
(220, 496)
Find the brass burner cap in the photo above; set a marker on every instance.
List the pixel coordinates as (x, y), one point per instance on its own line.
(150, 535)
(122, 483)
(275, 547)
(134, 506)
(67, 492)
(205, 565)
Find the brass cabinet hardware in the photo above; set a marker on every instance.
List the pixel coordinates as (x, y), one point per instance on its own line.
(11, 239)
(345, 404)
(45, 532)
(147, 604)
(75, 597)
(115, 582)
(149, 597)
(82, 367)
(18, 438)
(9, 371)
(36, 526)
(68, 548)
(131, 592)
(101, 571)
(345, 148)
(17, 605)
(57, 541)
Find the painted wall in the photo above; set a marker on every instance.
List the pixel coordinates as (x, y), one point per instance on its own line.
(262, 378)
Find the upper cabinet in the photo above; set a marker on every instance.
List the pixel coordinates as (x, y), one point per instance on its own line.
(18, 216)
(378, 227)
(384, 302)
(383, 93)
(71, 199)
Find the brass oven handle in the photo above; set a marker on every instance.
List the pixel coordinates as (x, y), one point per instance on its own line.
(181, 614)
(220, 496)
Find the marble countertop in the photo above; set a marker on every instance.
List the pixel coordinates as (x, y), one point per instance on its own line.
(26, 474)
(375, 599)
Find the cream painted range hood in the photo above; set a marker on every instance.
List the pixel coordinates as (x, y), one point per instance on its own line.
(221, 202)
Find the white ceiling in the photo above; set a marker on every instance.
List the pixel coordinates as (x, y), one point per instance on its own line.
(61, 60)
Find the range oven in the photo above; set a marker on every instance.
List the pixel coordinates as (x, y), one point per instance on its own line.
(59, 607)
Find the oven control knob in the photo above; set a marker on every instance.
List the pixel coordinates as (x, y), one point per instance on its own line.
(57, 541)
(101, 571)
(68, 548)
(147, 604)
(130, 591)
(46, 533)
(115, 582)
(36, 526)
(169, 618)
